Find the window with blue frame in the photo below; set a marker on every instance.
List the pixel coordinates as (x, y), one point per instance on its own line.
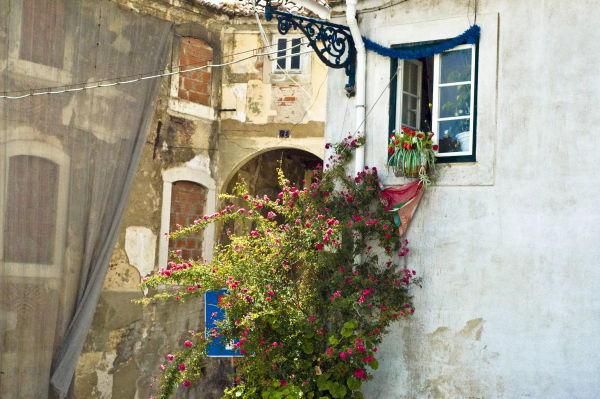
(438, 94)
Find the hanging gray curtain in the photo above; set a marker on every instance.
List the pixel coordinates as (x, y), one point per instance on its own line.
(66, 166)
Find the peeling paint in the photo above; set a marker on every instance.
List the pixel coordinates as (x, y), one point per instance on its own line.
(140, 246)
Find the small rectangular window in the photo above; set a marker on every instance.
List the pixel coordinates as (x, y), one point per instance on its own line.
(288, 55)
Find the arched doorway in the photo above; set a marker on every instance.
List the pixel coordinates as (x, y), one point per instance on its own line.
(260, 172)
(260, 175)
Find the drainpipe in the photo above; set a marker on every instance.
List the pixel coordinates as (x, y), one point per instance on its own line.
(361, 81)
(319, 9)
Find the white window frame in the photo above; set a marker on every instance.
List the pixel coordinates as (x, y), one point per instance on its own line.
(400, 93)
(303, 59)
(56, 156)
(436, 106)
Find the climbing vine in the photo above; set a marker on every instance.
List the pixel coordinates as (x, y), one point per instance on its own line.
(313, 285)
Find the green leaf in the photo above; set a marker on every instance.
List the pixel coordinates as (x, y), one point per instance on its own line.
(333, 340)
(346, 332)
(351, 324)
(308, 332)
(338, 390)
(374, 364)
(307, 347)
(354, 383)
(322, 383)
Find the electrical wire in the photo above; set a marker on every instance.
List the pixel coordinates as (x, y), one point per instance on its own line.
(109, 82)
(379, 8)
(375, 103)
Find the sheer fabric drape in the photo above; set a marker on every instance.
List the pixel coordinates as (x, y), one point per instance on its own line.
(66, 165)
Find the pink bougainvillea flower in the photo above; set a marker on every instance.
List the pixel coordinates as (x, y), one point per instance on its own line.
(343, 355)
(329, 351)
(186, 383)
(360, 373)
(311, 319)
(170, 357)
(188, 344)
(282, 382)
(182, 367)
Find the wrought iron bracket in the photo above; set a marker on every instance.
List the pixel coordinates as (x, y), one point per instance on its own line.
(332, 43)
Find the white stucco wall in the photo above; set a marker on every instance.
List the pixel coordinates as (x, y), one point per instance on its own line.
(507, 246)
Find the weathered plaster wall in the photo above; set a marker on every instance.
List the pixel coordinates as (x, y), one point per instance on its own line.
(202, 141)
(507, 245)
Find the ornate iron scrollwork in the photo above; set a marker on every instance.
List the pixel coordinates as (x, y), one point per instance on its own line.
(332, 43)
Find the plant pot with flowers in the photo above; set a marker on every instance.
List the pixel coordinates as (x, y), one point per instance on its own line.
(412, 154)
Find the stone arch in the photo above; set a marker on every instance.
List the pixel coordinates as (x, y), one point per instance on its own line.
(255, 154)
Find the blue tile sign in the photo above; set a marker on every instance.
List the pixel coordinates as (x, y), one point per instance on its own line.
(212, 314)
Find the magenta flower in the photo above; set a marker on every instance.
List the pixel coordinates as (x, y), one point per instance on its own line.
(360, 373)
(170, 357)
(186, 383)
(329, 351)
(282, 382)
(187, 344)
(343, 355)
(182, 367)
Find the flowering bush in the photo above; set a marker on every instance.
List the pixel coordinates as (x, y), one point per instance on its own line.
(412, 153)
(309, 299)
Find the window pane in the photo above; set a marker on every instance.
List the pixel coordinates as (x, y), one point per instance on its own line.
(456, 66)
(281, 43)
(412, 120)
(295, 60)
(410, 78)
(30, 219)
(412, 103)
(455, 101)
(454, 135)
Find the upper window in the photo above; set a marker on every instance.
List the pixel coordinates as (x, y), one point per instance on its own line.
(288, 57)
(42, 32)
(438, 94)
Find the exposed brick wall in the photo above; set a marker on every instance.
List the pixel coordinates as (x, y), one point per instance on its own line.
(195, 86)
(187, 205)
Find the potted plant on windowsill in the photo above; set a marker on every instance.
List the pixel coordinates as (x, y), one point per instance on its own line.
(412, 154)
